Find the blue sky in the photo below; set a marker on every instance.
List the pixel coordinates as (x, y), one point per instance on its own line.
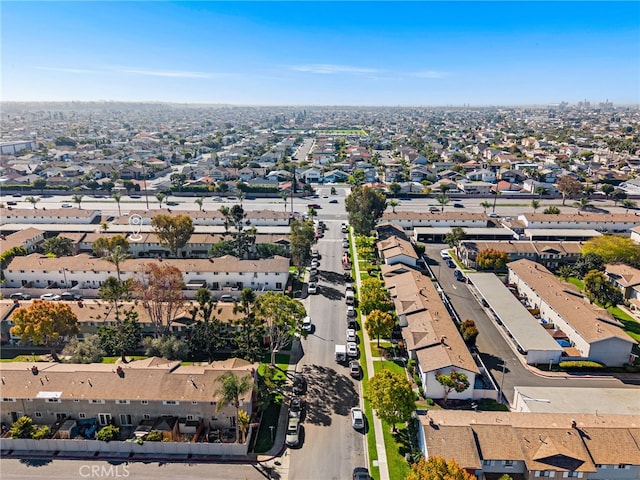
(322, 53)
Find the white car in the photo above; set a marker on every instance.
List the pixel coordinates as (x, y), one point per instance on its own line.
(352, 349)
(357, 418)
(351, 311)
(50, 296)
(293, 431)
(444, 254)
(67, 205)
(306, 324)
(351, 335)
(312, 289)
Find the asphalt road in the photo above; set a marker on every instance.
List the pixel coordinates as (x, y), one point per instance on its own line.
(492, 346)
(331, 447)
(14, 469)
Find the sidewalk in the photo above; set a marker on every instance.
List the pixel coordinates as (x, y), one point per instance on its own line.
(377, 424)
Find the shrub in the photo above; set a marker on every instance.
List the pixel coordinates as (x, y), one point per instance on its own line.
(108, 433)
(430, 402)
(421, 390)
(22, 428)
(154, 436)
(42, 432)
(416, 378)
(580, 365)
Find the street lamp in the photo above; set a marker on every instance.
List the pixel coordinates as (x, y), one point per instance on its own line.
(271, 427)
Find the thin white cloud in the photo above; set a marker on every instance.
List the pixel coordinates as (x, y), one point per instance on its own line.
(330, 69)
(430, 74)
(82, 71)
(166, 73)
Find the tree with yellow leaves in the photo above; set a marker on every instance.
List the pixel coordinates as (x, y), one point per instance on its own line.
(437, 468)
(45, 323)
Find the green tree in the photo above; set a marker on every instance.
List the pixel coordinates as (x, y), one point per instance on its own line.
(457, 381)
(587, 262)
(485, 205)
(535, 204)
(393, 203)
(59, 246)
(565, 271)
(231, 391)
(628, 204)
(77, 199)
(22, 428)
(469, 332)
(249, 331)
(282, 317)
(88, 350)
(391, 397)
(598, 288)
(178, 180)
(395, 188)
(199, 202)
(123, 338)
(356, 178)
(161, 196)
(614, 248)
(379, 324)
(32, 201)
(173, 232)
(301, 239)
(617, 195)
(607, 189)
(40, 184)
(108, 433)
(443, 200)
(169, 347)
(455, 236)
(568, 186)
(117, 197)
(437, 468)
(45, 323)
(540, 191)
(583, 204)
(374, 296)
(159, 289)
(365, 206)
(238, 230)
(114, 250)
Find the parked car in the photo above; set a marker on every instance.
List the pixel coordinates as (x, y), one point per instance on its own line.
(296, 407)
(69, 296)
(444, 254)
(312, 288)
(20, 296)
(293, 432)
(351, 311)
(357, 418)
(66, 205)
(333, 200)
(227, 298)
(354, 369)
(434, 209)
(299, 384)
(50, 296)
(450, 263)
(351, 335)
(315, 206)
(494, 215)
(352, 349)
(12, 203)
(459, 276)
(361, 473)
(352, 323)
(458, 205)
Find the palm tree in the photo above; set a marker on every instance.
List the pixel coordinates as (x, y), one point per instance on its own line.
(232, 388)
(393, 203)
(284, 197)
(540, 190)
(117, 197)
(535, 204)
(442, 200)
(582, 204)
(116, 257)
(77, 199)
(484, 204)
(104, 226)
(244, 420)
(33, 201)
(627, 204)
(161, 196)
(565, 271)
(199, 202)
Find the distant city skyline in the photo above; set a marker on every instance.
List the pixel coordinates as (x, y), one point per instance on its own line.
(322, 53)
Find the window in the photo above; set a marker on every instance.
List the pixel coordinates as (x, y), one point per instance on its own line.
(38, 415)
(61, 416)
(194, 402)
(54, 400)
(82, 415)
(487, 463)
(190, 417)
(76, 400)
(125, 419)
(146, 416)
(622, 466)
(96, 401)
(508, 463)
(122, 402)
(8, 399)
(543, 473)
(170, 402)
(144, 402)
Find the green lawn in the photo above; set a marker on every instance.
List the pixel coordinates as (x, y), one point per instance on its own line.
(389, 365)
(396, 445)
(631, 326)
(375, 351)
(577, 282)
(269, 418)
